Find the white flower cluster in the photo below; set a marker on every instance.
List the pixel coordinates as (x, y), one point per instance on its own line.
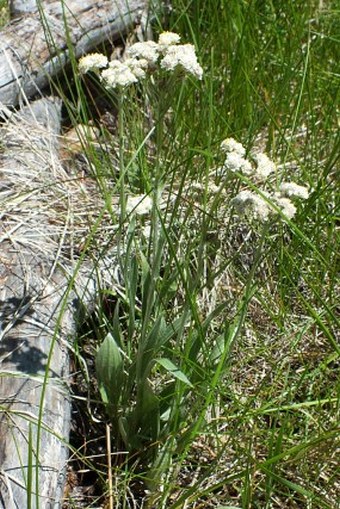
(118, 74)
(182, 57)
(142, 56)
(262, 205)
(235, 161)
(264, 165)
(230, 145)
(167, 39)
(234, 158)
(92, 62)
(147, 50)
(249, 203)
(293, 190)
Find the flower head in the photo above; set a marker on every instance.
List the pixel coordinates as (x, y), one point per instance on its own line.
(92, 62)
(118, 75)
(285, 204)
(167, 39)
(147, 50)
(137, 66)
(231, 145)
(235, 162)
(234, 159)
(293, 190)
(182, 56)
(265, 166)
(249, 203)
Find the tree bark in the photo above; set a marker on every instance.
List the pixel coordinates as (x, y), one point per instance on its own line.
(37, 44)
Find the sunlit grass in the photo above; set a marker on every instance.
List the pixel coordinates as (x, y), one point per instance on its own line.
(4, 12)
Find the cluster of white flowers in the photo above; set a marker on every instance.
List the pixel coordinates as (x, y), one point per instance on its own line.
(262, 205)
(147, 50)
(167, 39)
(92, 62)
(235, 161)
(182, 57)
(230, 145)
(293, 190)
(249, 203)
(138, 67)
(234, 158)
(142, 56)
(118, 74)
(285, 204)
(264, 165)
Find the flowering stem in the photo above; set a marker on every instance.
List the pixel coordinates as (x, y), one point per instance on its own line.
(121, 156)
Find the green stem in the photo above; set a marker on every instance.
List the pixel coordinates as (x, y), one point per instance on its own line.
(121, 157)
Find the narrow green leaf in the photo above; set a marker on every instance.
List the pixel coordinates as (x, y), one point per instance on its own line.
(124, 431)
(142, 424)
(153, 341)
(148, 350)
(174, 370)
(218, 349)
(132, 292)
(228, 507)
(159, 466)
(30, 466)
(168, 331)
(116, 328)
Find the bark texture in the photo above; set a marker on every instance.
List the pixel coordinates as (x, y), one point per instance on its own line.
(38, 311)
(36, 45)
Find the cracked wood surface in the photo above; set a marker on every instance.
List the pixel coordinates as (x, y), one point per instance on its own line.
(38, 311)
(35, 45)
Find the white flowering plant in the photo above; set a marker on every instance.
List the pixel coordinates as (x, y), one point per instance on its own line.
(165, 54)
(143, 414)
(155, 67)
(259, 203)
(225, 276)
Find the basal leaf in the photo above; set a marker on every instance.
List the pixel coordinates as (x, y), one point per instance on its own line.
(110, 370)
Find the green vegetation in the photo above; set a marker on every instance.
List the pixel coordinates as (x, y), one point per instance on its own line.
(218, 370)
(4, 13)
(212, 364)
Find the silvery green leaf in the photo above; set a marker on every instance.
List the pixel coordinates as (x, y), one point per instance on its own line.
(110, 371)
(147, 413)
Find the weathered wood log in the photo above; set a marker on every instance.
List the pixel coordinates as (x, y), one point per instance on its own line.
(35, 46)
(38, 310)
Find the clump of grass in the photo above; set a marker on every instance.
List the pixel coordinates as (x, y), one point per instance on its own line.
(4, 12)
(217, 364)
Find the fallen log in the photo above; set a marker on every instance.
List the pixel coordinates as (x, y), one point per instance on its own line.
(38, 310)
(36, 45)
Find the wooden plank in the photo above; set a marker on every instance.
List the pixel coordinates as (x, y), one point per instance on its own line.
(34, 47)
